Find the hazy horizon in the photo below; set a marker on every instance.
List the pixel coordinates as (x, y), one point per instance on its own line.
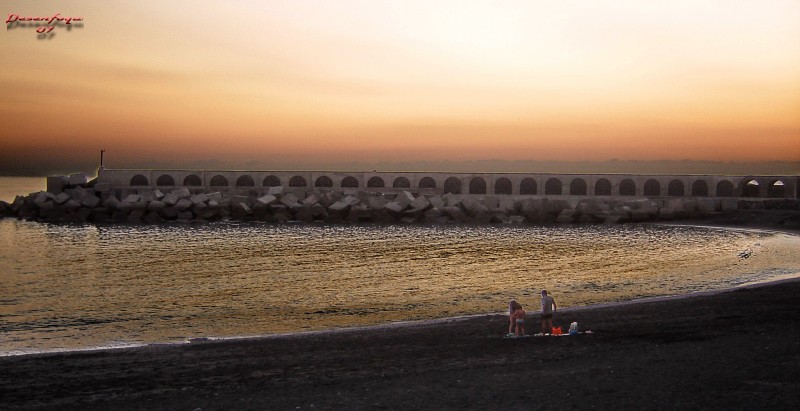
(613, 166)
(311, 84)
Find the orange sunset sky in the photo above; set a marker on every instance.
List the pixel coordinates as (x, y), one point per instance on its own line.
(304, 84)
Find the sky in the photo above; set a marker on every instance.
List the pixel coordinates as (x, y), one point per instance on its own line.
(310, 84)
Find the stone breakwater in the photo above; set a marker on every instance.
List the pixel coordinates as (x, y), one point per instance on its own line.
(82, 203)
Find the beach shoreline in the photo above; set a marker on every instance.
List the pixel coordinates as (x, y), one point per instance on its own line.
(415, 323)
(739, 346)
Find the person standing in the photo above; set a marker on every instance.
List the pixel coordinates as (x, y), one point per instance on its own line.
(548, 308)
(519, 320)
(513, 305)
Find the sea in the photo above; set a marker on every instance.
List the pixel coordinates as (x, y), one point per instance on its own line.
(68, 287)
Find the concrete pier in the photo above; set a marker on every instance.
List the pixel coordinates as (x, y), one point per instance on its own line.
(503, 184)
(155, 196)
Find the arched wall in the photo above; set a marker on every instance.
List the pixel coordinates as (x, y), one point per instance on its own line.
(495, 183)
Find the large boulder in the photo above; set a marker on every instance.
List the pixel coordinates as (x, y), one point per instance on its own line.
(395, 207)
(132, 198)
(308, 201)
(57, 184)
(120, 215)
(340, 206)
(183, 204)
(491, 203)
(304, 214)
(182, 192)
(199, 198)
(404, 198)
(289, 200)
(185, 216)
(474, 208)
(351, 200)
(111, 202)
(62, 198)
(451, 200)
(437, 202)
(435, 216)
(43, 196)
(455, 214)
(566, 216)
(170, 199)
(147, 195)
(169, 212)
(5, 208)
(318, 212)
(152, 218)
(360, 213)
(266, 199)
(135, 216)
(90, 201)
(72, 204)
(155, 205)
(78, 179)
(507, 204)
(420, 204)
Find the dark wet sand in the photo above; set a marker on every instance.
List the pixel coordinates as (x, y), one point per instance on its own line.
(738, 349)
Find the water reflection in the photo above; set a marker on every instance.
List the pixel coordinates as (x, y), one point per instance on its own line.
(77, 286)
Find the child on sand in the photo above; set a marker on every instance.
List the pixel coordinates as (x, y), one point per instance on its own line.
(517, 319)
(512, 307)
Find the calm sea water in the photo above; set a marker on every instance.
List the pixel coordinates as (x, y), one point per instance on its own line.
(65, 287)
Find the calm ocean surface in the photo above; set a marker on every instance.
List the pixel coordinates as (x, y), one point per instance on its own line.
(66, 287)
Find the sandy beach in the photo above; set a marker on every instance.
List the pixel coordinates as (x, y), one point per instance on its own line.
(737, 349)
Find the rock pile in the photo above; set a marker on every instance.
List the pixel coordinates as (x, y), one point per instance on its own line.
(80, 203)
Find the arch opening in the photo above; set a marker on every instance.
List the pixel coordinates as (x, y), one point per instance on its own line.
(219, 181)
(139, 180)
(298, 181)
(675, 188)
(192, 181)
(577, 187)
(750, 188)
(627, 187)
(401, 182)
(427, 182)
(323, 181)
(502, 186)
(165, 180)
(552, 187)
(652, 188)
(527, 186)
(271, 181)
(602, 187)
(349, 182)
(375, 182)
(452, 185)
(776, 189)
(477, 186)
(245, 181)
(724, 189)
